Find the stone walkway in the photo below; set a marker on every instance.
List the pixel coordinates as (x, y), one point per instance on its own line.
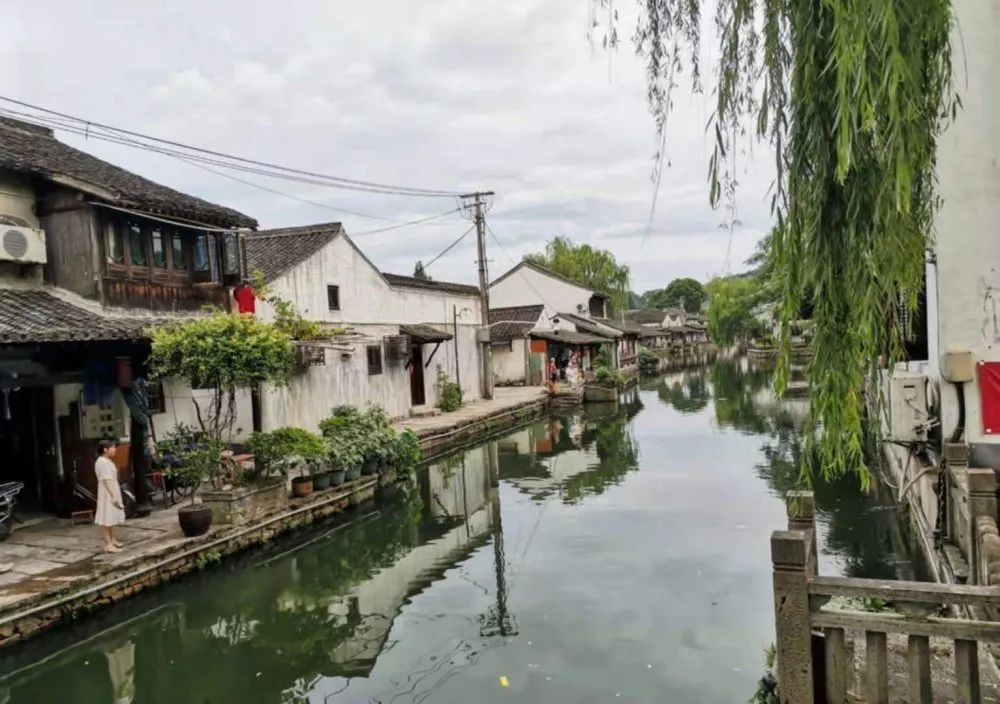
(56, 553)
(506, 398)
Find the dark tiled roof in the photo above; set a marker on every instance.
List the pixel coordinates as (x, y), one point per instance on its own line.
(549, 272)
(646, 317)
(422, 333)
(32, 315)
(514, 322)
(589, 325)
(273, 252)
(429, 285)
(29, 149)
(628, 327)
(569, 337)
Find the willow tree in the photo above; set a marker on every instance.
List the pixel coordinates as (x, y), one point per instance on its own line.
(851, 95)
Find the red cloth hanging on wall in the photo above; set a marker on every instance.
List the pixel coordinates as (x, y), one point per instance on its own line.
(245, 301)
(989, 396)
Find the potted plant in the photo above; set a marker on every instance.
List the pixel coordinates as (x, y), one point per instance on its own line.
(347, 441)
(198, 457)
(405, 452)
(302, 485)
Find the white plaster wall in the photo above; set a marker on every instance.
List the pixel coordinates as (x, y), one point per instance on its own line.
(509, 362)
(967, 295)
(371, 307)
(311, 395)
(179, 403)
(365, 297)
(527, 286)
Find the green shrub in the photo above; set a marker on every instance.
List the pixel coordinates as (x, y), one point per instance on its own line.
(406, 451)
(449, 393)
(278, 450)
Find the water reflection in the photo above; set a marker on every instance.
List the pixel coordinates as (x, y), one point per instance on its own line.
(575, 455)
(557, 556)
(862, 533)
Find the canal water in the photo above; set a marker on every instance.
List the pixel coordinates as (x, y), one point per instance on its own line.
(618, 553)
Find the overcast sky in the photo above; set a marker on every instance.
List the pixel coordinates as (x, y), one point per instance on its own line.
(451, 94)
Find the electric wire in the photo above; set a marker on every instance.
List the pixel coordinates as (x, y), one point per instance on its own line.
(450, 247)
(292, 196)
(89, 125)
(89, 133)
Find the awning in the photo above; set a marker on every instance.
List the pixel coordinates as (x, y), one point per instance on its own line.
(569, 337)
(422, 333)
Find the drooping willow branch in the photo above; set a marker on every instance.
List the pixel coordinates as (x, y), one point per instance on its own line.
(852, 96)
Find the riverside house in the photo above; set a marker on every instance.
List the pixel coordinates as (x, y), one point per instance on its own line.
(571, 319)
(91, 255)
(393, 334)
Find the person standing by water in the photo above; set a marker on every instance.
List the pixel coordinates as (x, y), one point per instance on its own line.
(110, 509)
(553, 370)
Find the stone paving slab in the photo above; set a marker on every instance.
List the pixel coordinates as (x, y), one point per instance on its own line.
(504, 399)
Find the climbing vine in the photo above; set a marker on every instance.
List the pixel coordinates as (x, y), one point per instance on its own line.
(851, 95)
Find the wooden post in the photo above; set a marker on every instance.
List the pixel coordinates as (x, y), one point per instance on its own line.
(790, 557)
(982, 486)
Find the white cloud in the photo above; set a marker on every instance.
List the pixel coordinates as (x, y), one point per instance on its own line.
(449, 94)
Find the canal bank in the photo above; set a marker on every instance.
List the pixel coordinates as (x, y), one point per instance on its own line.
(56, 572)
(623, 551)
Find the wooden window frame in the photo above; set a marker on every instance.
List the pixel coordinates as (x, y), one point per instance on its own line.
(183, 275)
(375, 366)
(333, 297)
(156, 398)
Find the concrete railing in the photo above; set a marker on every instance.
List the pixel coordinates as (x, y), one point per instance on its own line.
(815, 658)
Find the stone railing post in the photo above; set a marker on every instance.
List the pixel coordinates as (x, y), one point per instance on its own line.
(801, 509)
(791, 558)
(982, 487)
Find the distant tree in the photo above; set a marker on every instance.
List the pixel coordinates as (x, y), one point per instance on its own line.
(636, 301)
(594, 268)
(419, 273)
(683, 293)
(732, 301)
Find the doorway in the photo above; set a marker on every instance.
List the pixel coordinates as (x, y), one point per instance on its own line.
(417, 394)
(28, 446)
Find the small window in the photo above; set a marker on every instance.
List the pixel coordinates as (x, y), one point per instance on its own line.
(159, 249)
(201, 260)
(177, 251)
(136, 245)
(115, 245)
(333, 297)
(155, 398)
(374, 360)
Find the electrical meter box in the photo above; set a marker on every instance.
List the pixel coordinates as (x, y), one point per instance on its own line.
(909, 415)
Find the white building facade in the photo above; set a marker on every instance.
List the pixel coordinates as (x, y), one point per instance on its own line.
(322, 273)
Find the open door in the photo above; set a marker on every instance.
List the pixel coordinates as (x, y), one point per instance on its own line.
(417, 395)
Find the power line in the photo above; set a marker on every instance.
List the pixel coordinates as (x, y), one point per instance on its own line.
(87, 126)
(450, 247)
(89, 133)
(407, 224)
(292, 196)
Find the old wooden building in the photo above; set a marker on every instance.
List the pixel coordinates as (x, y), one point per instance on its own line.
(91, 255)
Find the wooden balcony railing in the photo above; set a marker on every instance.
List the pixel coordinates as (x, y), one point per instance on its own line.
(804, 613)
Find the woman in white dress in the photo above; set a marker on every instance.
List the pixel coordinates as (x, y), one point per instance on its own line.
(110, 509)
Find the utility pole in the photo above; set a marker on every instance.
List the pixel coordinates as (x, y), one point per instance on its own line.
(478, 201)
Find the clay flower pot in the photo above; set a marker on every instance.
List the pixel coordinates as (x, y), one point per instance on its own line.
(302, 486)
(194, 520)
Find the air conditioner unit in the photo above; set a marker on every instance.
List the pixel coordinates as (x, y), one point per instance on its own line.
(909, 413)
(24, 245)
